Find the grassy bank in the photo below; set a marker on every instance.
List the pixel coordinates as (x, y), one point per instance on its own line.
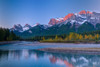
(64, 41)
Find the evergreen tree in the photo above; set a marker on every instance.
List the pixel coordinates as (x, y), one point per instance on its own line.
(6, 35)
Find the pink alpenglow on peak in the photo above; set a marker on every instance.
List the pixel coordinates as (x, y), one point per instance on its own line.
(60, 20)
(88, 12)
(85, 12)
(68, 16)
(53, 21)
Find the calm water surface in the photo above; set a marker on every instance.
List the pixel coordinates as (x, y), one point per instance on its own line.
(21, 55)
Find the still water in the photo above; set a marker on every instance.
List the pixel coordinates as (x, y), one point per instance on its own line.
(24, 56)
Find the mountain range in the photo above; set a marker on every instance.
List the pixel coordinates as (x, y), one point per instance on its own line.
(83, 21)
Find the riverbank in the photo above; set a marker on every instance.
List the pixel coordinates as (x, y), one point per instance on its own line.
(94, 51)
(8, 42)
(78, 42)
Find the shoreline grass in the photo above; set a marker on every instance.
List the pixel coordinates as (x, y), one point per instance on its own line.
(72, 41)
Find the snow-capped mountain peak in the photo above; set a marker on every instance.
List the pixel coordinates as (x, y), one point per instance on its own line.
(17, 27)
(20, 28)
(79, 17)
(26, 27)
(85, 12)
(35, 24)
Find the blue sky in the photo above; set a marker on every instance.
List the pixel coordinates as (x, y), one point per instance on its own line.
(41, 11)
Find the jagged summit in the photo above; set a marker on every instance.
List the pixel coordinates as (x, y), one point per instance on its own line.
(83, 21)
(79, 17)
(85, 12)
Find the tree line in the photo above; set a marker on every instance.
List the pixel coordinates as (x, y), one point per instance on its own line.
(73, 37)
(7, 35)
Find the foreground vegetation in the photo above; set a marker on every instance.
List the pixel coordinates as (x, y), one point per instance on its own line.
(73, 37)
(6, 35)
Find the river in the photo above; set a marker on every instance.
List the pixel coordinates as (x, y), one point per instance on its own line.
(23, 55)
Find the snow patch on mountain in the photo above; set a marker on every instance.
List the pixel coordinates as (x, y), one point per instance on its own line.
(82, 22)
(30, 31)
(59, 19)
(73, 21)
(35, 24)
(26, 28)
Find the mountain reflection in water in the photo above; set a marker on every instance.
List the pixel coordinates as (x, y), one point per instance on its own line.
(33, 58)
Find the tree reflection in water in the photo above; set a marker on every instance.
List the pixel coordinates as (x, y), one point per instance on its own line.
(65, 60)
